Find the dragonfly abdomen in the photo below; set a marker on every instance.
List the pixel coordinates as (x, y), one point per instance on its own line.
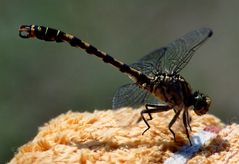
(50, 34)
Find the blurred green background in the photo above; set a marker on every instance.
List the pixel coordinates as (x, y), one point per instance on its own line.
(41, 80)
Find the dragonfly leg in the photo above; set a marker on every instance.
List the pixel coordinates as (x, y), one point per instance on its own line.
(147, 107)
(152, 109)
(186, 124)
(172, 122)
(188, 118)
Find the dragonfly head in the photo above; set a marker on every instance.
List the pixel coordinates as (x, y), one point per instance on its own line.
(201, 103)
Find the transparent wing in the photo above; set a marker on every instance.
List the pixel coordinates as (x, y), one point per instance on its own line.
(150, 64)
(175, 56)
(133, 96)
(181, 50)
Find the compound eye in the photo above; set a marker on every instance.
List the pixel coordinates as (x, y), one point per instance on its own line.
(202, 105)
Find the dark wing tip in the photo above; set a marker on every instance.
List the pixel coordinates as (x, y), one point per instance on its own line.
(207, 31)
(210, 32)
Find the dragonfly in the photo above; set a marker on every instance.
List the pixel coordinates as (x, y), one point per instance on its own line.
(155, 76)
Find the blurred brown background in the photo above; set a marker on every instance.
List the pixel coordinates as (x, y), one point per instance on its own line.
(41, 80)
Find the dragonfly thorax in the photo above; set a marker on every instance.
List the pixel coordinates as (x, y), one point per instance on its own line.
(172, 89)
(175, 91)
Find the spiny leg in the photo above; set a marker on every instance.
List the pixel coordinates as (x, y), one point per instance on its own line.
(188, 118)
(148, 106)
(154, 109)
(185, 123)
(172, 122)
